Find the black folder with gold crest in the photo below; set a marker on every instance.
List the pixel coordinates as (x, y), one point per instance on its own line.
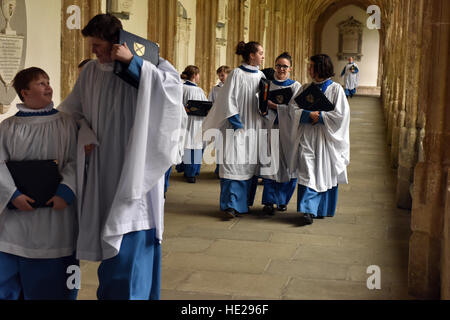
(281, 96)
(140, 47)
(264, 89)
(38, 180)
(313, 99)
(198, 108)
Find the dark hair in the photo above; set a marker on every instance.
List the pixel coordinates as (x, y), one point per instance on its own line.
(269, 73)
(23, 78)
(225, 69)
(190, 72)
(83, 63)
(323, 66)
(103, 26)
(284, 55)
(245, 49)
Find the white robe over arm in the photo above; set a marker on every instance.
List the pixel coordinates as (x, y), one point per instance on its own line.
(138, 134)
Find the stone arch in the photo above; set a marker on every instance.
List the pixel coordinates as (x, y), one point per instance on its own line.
(328, 13)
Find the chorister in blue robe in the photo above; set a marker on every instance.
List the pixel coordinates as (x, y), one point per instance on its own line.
(193, 150)
(319, 204)
(279, 188)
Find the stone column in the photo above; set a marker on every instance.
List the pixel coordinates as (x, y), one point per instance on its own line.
(235, 30)
(408, 135)
(205, 44)
(74, 48)
(445, 260)
(428, 263)
(162, 26)
(182, 38)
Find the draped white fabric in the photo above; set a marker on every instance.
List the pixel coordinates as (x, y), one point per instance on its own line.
(42, 233)
(320, 153)
(137, 133)
(238, 97)
(215, 92)
(275, 147)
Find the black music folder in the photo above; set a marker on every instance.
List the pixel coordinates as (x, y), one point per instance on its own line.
(198, 108)
(140, 47)
(38, 180)
(264, 88)
(281, 96)
(313, 99)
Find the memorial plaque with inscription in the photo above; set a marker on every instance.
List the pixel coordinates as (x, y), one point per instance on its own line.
(13, 26)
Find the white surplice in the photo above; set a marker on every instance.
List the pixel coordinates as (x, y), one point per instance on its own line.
(239, 96)
(281, 171)
(320, 153)
(193, 139)
(137, 133)
(43, 233)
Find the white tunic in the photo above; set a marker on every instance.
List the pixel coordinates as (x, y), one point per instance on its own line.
(42, 233)
(320, 153)
(215, 92)
(280, 166)
(193, 139)
(137, 136)
(239, 96)
(351, 80)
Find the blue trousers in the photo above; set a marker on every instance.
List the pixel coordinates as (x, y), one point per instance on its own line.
(35, 279)
(278, 193)
(192, 163)
(135, 273)
(322, 204)
(237, 195)
(350, 92)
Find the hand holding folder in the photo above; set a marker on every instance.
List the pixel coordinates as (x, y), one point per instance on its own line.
(139, 47)
(313, 99)
(37, 180)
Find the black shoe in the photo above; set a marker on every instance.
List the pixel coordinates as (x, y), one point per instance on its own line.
(191, 179)
(308, 218)
(268, 210)
(231, 213)
(319, 217)
(282, 208)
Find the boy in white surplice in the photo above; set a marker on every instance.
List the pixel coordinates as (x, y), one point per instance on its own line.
(37, 245)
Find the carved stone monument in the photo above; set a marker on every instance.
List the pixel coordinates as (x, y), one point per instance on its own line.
(350, 39)
(12, 48)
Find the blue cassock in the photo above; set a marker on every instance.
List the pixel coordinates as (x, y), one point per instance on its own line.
(322, 204)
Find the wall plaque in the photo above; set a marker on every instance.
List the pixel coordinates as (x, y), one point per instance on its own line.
(350, 39)
(12, 47)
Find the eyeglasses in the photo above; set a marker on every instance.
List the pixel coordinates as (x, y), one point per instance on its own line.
(284, 67)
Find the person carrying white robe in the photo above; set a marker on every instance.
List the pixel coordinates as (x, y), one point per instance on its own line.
(279, 187)
(37, 245)
(193, 146)
(320, 144)
(351, 78)
(136, 137)
(235, 113)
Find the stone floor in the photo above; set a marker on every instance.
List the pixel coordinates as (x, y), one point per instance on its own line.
(257, 257)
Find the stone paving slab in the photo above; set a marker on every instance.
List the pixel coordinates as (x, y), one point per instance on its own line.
(256, 257)
(268, 286)
(207, 262)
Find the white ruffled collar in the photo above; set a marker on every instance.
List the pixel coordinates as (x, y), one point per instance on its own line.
(255, 68)
(23, 108)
